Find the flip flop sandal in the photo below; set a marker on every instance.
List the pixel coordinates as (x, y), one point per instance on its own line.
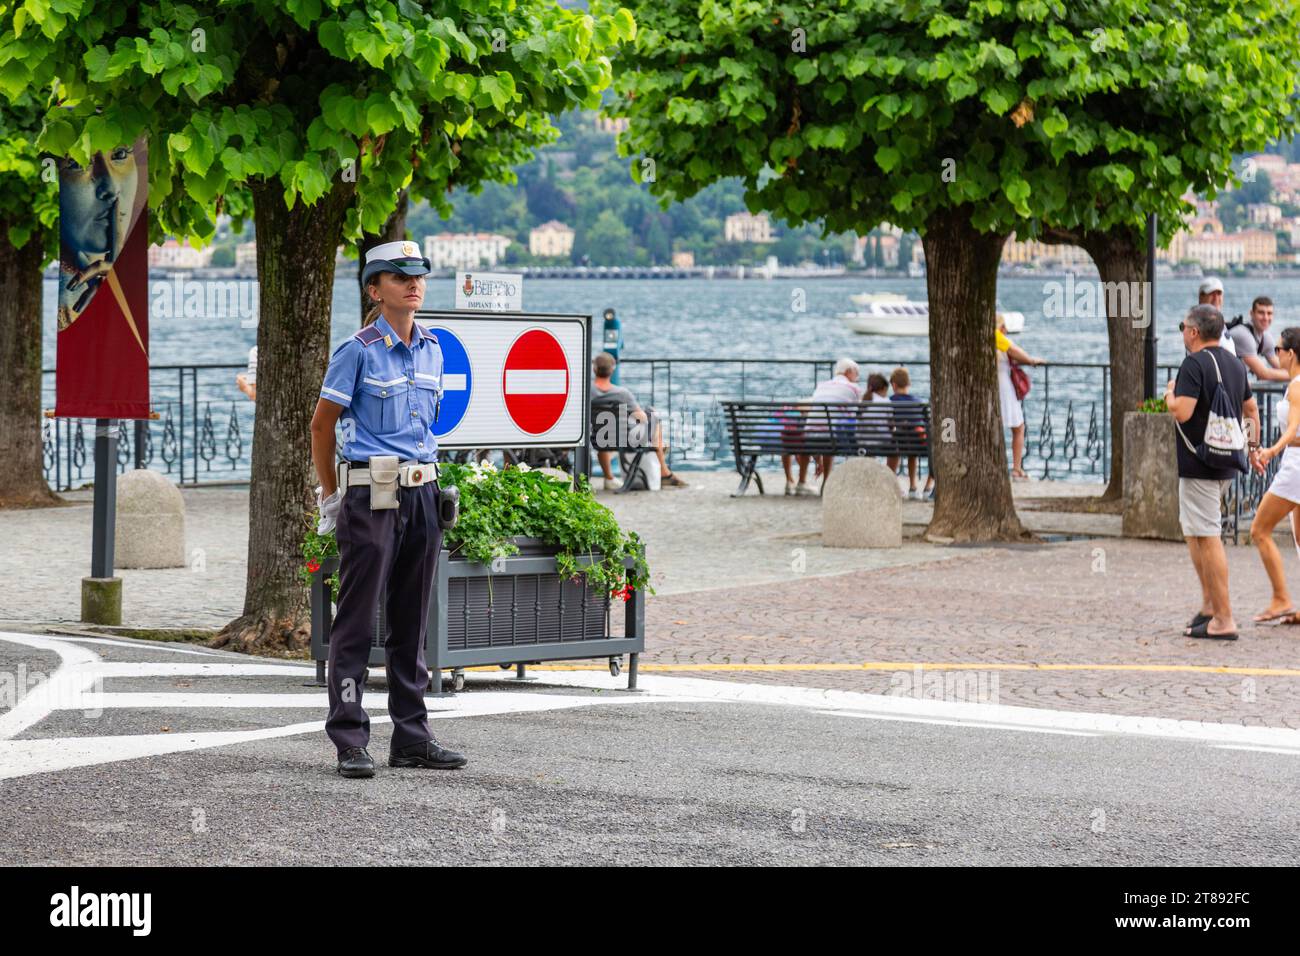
(1196, 622)
(1203, 631)
(1263, 618)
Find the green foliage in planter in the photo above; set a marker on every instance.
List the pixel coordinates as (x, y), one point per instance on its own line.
(1153, 406)
(315, 549)
(496, 505)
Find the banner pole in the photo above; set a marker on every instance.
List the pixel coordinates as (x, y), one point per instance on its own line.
(101, 593)
(105, 512)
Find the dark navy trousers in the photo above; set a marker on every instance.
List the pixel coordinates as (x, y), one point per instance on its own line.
(387, 555)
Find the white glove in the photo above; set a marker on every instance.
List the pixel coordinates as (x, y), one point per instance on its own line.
(329, 510)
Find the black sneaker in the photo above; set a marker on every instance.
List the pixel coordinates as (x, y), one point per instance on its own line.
(427, 754)
(356, 762)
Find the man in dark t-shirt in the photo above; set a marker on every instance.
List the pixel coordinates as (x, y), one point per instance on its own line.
(1207, 368)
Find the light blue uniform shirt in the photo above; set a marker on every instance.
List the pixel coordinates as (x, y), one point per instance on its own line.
(390, 392)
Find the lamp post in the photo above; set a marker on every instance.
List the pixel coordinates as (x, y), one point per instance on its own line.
(1149, 349)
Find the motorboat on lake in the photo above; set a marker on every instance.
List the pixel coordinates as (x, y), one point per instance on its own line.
(890, 313)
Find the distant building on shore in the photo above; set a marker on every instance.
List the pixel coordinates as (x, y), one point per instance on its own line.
(611, 124)
(1264, 213)
(747, 227)
(1216, 249)
(864, 250)
(178, 255)
(1032, 251)
(684, 259)
(465, 250)
(551, 239)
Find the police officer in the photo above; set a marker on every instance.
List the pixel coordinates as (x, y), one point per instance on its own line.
(384, 384)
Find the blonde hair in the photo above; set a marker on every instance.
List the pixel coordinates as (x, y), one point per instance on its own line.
(899, 378)
(374, 309)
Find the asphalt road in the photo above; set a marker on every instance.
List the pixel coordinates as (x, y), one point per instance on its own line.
(190, 756)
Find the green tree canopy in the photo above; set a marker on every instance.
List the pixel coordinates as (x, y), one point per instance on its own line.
(964, 120)
(314, 116)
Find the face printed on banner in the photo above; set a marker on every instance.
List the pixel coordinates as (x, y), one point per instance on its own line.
(96, 205)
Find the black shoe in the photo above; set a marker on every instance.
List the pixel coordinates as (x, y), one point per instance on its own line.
(427, 754)
(356, 762)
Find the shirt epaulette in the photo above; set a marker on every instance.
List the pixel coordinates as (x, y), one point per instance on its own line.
(425, 333)
(369, 335)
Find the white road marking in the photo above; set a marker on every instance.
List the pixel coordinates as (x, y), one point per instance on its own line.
(20, 758)
(536, 381)
(955, 723)
(76, 684)
(1262, 750)
(1022, 717)
(170, 648)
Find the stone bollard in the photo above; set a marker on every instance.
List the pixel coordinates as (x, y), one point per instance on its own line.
(1151, 477)
(150, 529)
(861, 506)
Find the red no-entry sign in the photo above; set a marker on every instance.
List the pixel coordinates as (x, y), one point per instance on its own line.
(535, 381)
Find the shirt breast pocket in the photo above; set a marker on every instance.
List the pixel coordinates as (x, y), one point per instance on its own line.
(381, 407)
(426, 399)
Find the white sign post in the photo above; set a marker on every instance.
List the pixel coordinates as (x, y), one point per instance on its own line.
(489, 292)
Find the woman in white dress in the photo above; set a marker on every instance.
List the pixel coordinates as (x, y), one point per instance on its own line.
(1284, 493)
(1013, 414)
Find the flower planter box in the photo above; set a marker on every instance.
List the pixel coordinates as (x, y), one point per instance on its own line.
(520, 612)
(1151, 477)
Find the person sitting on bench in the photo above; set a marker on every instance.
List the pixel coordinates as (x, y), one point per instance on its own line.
(605, 395)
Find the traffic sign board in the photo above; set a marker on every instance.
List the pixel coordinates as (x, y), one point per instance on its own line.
(457, 382)
(512, 381)
(535, 381)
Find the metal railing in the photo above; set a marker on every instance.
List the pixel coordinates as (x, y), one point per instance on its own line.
(205, 426)
(1066, 411)
(203, 433)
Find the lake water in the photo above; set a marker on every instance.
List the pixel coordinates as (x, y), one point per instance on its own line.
(725, 319)
(730, 318)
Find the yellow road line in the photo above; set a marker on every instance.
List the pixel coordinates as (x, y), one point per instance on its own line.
(935, 666)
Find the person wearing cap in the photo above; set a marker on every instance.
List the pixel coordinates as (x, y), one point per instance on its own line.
(1211, 293)
(384, 385)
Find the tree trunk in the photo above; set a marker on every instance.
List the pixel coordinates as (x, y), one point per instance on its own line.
(394, 230)
(295, 270)
(22, 481)
(972, 496)
(1121, 260)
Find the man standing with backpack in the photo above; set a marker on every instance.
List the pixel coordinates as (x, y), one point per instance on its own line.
(1208, 401)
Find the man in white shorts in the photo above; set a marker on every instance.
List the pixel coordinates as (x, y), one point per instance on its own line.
(1201, 486)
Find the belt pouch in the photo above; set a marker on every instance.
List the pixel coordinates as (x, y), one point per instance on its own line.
(384, 472)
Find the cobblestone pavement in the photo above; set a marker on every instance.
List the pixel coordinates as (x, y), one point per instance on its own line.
(1082, 625)
(47, 553)
(746, 582)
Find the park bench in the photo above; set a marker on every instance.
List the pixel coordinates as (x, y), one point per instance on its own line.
(610, 431)
(876, 429)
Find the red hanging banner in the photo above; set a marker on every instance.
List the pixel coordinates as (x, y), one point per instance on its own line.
(102, 369)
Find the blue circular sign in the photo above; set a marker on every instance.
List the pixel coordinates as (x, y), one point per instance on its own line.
(457, 382)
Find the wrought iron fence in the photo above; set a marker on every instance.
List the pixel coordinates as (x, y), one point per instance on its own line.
(203, 433)
(1066, 418)
(205, 426)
